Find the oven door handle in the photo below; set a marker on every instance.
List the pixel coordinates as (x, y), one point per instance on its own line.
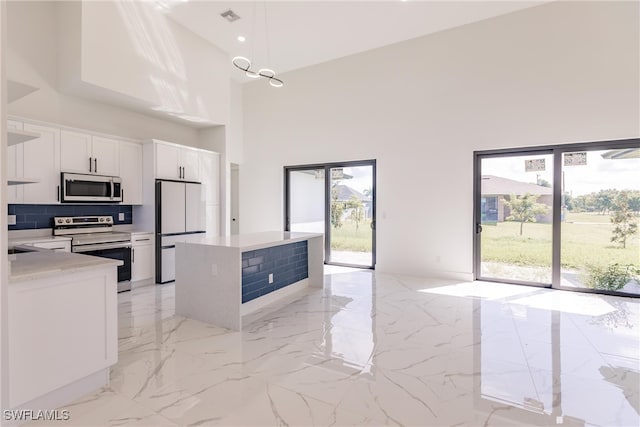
(92, 248)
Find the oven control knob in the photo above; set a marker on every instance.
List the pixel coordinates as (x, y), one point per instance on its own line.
(108, 219)
(101, 219)
(68, 220)
(60, 220)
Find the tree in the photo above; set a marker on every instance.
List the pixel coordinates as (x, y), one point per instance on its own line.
(634, 201)
(524, 208)
(623, 219)
(357, 210)
(604, 200)
(544, 183)
(337, 208)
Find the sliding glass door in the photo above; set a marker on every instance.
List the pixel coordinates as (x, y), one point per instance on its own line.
(306, 196)
(516, 211)
(564, 216)
(336, 199)
(599, 247)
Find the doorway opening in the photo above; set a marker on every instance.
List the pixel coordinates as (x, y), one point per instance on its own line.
(337, 199)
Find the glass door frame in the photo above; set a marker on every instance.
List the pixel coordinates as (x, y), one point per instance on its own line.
(477, 204)
(327, 204)
(557, 151)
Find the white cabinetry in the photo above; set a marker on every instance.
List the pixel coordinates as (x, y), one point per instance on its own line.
(35, 161)
(176, 162)
(210, 177)
(189, 159)
(105, 156)
(63, 328)
(41, 160)
(15, 167)
(84, 153)
(168, 161)
(141, 256)
(131, 173)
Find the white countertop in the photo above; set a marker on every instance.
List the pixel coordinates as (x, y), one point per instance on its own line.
(38, 264)
(40, 239)
(248, 242)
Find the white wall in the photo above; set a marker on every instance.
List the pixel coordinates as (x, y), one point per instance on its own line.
(559, 73)
(235, 127)
(4, 336)
(307, 199)
(131, 49)
(32, 57)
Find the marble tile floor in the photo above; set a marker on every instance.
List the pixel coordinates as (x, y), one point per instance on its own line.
(376, 349)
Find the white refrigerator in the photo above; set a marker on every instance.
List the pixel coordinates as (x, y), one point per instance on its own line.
(180, 217)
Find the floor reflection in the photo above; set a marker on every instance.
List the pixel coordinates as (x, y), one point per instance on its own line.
(569, 358)
(378, 349)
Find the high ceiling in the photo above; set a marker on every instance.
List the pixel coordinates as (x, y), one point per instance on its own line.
(303, 33)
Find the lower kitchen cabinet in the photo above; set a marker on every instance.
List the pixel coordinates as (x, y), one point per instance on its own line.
(63, 329)
(142, 251)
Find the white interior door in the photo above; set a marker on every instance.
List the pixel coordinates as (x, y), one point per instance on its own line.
(172, 199)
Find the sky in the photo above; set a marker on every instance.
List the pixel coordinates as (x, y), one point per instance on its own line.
(362, 178)
(597, 174)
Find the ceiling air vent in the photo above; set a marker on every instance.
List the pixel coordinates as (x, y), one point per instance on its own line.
(230, 15)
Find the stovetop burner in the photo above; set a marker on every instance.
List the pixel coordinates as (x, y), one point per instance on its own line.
(88, 230)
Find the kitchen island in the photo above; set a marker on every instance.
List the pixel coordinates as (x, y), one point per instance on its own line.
(221, 279)
(63, 326)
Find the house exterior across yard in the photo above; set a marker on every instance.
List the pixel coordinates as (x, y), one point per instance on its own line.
(495, 190)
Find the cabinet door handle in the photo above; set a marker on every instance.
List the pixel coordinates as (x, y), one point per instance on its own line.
(95, 164)
(142, 240)
(133, 255)
(90, 164)
(58, 193)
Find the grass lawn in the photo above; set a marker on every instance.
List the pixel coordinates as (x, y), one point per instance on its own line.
(348, 238)
(586, 240)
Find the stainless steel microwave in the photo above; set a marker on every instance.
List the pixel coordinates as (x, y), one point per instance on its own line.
(77, 188)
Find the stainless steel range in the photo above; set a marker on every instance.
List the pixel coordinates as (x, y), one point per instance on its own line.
(94, 235)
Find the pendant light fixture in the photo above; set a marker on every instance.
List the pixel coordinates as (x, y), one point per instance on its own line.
(244, 63)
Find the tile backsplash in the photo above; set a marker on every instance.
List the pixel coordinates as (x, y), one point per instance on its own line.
(29, 217)
(288, 264)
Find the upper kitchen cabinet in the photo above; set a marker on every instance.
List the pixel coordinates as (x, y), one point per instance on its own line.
(210, 176)
(15, 166)
(41, 161)
(131, 173)
(84, 153)
(178, 162)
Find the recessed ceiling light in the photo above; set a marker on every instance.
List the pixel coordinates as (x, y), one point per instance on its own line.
(241, 39)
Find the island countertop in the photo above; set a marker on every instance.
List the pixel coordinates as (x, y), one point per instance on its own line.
(252, 241)
(43, 263)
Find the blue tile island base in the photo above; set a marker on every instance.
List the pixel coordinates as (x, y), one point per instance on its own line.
(221, 279)
(285, 264)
